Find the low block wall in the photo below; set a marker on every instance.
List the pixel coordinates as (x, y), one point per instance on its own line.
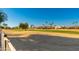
(8, 45)
(5, 43)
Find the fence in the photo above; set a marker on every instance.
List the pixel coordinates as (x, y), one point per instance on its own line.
(6, 44)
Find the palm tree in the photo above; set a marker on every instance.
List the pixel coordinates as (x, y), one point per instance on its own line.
(43, 25)
(75, 23)
(46, 23)
(3, 17)
(51, 24)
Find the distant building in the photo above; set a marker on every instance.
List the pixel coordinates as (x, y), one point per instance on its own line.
(58, 27)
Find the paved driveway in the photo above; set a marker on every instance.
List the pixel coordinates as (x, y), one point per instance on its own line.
(38, 42)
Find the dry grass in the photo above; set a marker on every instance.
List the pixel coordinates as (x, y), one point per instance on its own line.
(16, 33)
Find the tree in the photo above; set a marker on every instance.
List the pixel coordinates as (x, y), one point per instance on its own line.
(31, 26)
(3, 17)
(46, 23)
(23, 25)
(16, 27)
(51, 24)
(75, 23)
(43, 25)
(5, 25)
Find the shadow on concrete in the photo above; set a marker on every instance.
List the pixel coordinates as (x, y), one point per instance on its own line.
(45, 43)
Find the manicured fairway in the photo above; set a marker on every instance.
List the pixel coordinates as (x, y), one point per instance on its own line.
(59, 31)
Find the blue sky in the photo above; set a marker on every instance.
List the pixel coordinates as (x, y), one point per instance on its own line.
(38, 16)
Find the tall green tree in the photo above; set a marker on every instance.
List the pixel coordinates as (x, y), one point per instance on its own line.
(23, 25)
(3, 17)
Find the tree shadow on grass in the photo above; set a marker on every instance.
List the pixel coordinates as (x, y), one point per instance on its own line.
(37, 42)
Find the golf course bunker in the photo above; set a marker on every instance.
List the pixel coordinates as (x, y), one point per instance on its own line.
(36, 42)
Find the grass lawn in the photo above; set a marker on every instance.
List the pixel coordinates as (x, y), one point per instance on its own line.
(59, 31)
